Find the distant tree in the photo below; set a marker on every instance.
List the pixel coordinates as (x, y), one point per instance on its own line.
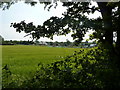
(37, 42)
(1, 39)
(49, 43)
(68, 43)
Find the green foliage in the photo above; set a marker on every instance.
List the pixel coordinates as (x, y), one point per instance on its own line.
(87, 68)
(84, 69)
(74, 21)
(10, 80)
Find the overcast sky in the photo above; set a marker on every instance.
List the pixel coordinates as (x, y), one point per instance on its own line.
(35, 14)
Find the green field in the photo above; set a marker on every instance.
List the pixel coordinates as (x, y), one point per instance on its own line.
(23, 59)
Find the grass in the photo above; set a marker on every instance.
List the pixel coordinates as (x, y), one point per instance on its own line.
(23, 60)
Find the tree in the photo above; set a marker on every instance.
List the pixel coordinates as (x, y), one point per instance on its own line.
(1, 39)
(68, 43)
(37, 42)
(75, 21)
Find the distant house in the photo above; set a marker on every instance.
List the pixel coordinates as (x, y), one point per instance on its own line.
(87, 44)
(42, 43)
(93, 45)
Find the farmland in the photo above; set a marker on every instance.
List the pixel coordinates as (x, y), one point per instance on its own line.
(85, 68)
(23, 60)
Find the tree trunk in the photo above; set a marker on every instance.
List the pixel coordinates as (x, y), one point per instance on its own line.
(118, 39)
(106, 12)
(118, 47)
(118, 42)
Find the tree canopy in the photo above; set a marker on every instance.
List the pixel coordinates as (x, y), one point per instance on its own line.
(75, 21)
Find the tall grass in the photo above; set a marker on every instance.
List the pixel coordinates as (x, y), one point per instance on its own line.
(23, 60)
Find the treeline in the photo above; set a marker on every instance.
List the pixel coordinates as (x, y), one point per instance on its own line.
(53, 44)
(15, 42)
(60, 44)
(72, 44)
(10, 42)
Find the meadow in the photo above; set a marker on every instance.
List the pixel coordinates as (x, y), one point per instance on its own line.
(87, 68)
(23, 60)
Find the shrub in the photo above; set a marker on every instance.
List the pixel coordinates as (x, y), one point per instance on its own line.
(84, 69)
